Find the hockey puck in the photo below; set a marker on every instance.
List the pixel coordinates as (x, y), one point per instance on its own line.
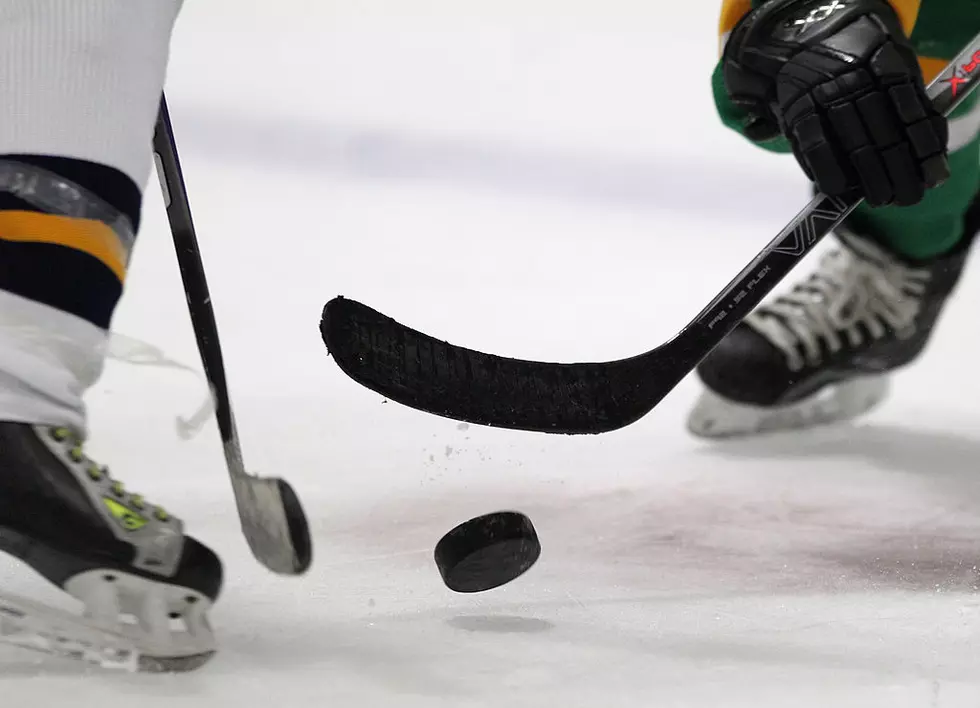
(487, 552)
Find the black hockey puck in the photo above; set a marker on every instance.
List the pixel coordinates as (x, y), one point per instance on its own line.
(487, 552)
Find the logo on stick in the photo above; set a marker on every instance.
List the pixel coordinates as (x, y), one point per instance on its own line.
(958, 82)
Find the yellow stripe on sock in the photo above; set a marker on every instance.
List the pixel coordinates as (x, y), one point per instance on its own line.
(92, 237)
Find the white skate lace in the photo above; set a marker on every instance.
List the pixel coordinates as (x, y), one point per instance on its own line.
(138, 353)
(852, 296)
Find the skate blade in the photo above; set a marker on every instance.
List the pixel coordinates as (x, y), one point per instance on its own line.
(29, 625)
(715, 417)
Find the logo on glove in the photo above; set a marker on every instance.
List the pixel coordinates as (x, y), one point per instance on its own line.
(958, 82)
(818, 15)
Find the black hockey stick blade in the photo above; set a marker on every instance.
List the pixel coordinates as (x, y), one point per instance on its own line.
(271, 517)
(421, 372)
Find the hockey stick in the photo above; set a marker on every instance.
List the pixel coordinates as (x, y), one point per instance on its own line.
(419, 371)
(270, 512)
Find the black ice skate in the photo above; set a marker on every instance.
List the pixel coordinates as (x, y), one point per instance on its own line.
(821, 352)
(146, 588)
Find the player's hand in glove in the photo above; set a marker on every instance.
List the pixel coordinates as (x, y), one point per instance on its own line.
(840, 80)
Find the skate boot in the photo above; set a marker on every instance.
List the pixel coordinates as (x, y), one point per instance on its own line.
(821, 352)
(145, 587)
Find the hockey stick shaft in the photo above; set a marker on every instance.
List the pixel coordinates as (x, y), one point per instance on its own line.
(419, 371)
(272, 518)
(194, 278)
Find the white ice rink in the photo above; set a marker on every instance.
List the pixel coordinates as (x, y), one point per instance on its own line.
(546, 180)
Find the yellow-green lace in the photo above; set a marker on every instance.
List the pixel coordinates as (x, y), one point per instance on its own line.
(99, 474)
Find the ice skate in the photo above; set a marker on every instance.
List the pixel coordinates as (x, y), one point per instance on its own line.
(145, 588)
(822, 353)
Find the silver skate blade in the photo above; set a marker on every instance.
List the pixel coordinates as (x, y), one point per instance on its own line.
(29, 625)
(715, 417)
(35, 627)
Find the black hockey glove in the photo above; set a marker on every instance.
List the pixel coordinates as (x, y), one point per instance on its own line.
(840, 80)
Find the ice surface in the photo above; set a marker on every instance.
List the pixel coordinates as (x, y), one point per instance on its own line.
(514, 177)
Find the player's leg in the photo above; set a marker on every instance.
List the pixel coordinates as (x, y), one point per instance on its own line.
(820, 352)
(81, 84)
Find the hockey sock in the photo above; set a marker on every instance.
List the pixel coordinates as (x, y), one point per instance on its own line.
(67, 229)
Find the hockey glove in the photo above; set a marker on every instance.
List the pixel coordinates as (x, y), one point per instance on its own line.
(840, 80)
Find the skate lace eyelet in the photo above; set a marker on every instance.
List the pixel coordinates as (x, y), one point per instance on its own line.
(59, 434)
(137, 501)
(161, 515)
(118, 489)
(94, 473)
(76, 454)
